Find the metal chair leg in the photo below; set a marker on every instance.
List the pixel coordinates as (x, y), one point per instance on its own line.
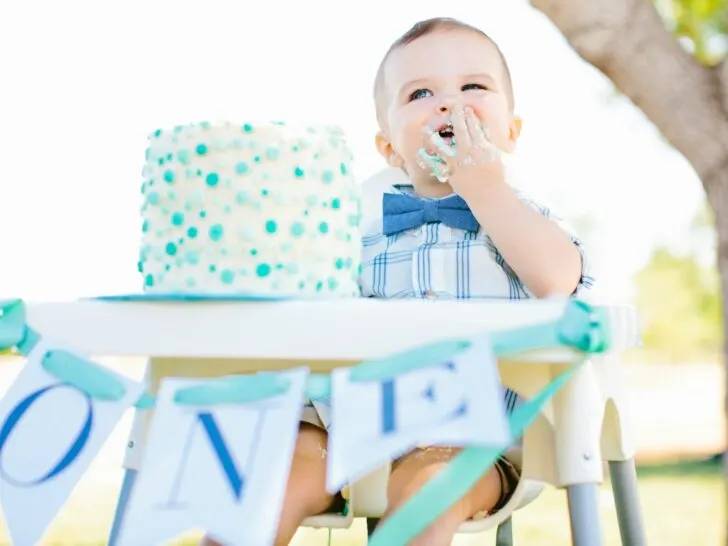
(504, 534)
(584, 514)
(371, 525)
(626, 499)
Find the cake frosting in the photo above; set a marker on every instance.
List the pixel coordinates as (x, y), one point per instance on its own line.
(254, 208)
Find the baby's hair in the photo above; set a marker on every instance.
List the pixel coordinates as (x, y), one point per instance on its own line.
(430, 26)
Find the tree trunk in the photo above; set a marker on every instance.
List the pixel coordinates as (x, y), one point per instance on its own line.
(688, 102)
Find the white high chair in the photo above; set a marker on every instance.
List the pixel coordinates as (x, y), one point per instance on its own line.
(583, 425)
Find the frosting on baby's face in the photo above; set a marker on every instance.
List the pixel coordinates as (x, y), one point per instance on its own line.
(442, 137)
(424, 80)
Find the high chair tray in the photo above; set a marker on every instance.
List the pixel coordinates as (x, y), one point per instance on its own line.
(338, 330)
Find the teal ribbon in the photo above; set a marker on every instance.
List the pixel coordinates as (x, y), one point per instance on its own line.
(12, 323)
(459, 476)
(74, 370)
(237, 389)
(581, 328)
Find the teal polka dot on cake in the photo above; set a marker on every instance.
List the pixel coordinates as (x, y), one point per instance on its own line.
(216, 232)
(171, 249)
(327, 177)
(263, 270)
(272, 153)
(192, 232)
(241, 198)
(298, 172)
(149, 280)
(183, 157)
(212, 179)
(297, 229)
(145, 226)
(339, 263)
(153, 198)
(248, 128)
(343, 169)
(178, 219)
(201, 149)
(192, 257)
(227, 276)
(335, 203)
(169, 176)
(324, 227)
(271, 226)
(242, 168)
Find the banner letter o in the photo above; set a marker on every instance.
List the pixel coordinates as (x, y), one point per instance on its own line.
(16, 414)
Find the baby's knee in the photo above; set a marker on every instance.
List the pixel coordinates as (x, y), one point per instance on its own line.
(306, 489)
(414, 470)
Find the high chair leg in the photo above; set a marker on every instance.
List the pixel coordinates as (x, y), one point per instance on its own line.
(126, 486)
(504, 534)
(623, 476)
(586, 527)
(371, 525)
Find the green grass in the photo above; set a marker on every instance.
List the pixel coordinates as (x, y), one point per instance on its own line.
(683, 505)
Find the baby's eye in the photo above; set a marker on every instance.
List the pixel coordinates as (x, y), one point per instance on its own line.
(469, 86)
(419, 94)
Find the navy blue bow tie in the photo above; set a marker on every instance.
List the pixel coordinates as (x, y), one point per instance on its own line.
(403, 212)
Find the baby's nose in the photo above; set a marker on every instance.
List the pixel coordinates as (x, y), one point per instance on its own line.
(446, 104)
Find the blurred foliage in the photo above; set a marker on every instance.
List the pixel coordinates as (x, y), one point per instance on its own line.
(680, 301)
(679, 294)
(701, 25)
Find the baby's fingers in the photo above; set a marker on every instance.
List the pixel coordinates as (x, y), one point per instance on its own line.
(460, 129)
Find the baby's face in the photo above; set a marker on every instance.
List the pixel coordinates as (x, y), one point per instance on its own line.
(426, 78)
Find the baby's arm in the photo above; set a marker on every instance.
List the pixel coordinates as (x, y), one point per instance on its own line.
(542, 254)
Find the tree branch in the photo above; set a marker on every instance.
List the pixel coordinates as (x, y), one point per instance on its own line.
(628, 42)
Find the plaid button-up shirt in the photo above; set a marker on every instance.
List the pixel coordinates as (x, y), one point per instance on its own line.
(435, 261)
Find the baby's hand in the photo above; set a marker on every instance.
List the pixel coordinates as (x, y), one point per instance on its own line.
(470, 159)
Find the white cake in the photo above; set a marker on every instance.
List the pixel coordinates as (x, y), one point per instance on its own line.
(260, 209)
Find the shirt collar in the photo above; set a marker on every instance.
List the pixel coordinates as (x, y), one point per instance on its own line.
(409, 189)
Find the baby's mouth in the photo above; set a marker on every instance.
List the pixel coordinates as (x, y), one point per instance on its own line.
(446, 133)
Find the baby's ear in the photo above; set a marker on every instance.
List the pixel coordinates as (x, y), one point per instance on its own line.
(387, 151)
(514, 131)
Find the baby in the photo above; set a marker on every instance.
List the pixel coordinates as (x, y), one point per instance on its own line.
(454, 228)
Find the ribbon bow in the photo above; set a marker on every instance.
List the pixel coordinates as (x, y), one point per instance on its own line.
(403, 212)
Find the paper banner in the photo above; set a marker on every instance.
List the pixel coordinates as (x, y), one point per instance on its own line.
(454, 401)
(50, 432)
(222, 468)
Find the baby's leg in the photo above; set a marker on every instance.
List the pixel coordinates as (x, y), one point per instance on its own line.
(413, 470)
(306, 491)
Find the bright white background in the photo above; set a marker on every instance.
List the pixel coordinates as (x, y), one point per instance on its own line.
(82, 83)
